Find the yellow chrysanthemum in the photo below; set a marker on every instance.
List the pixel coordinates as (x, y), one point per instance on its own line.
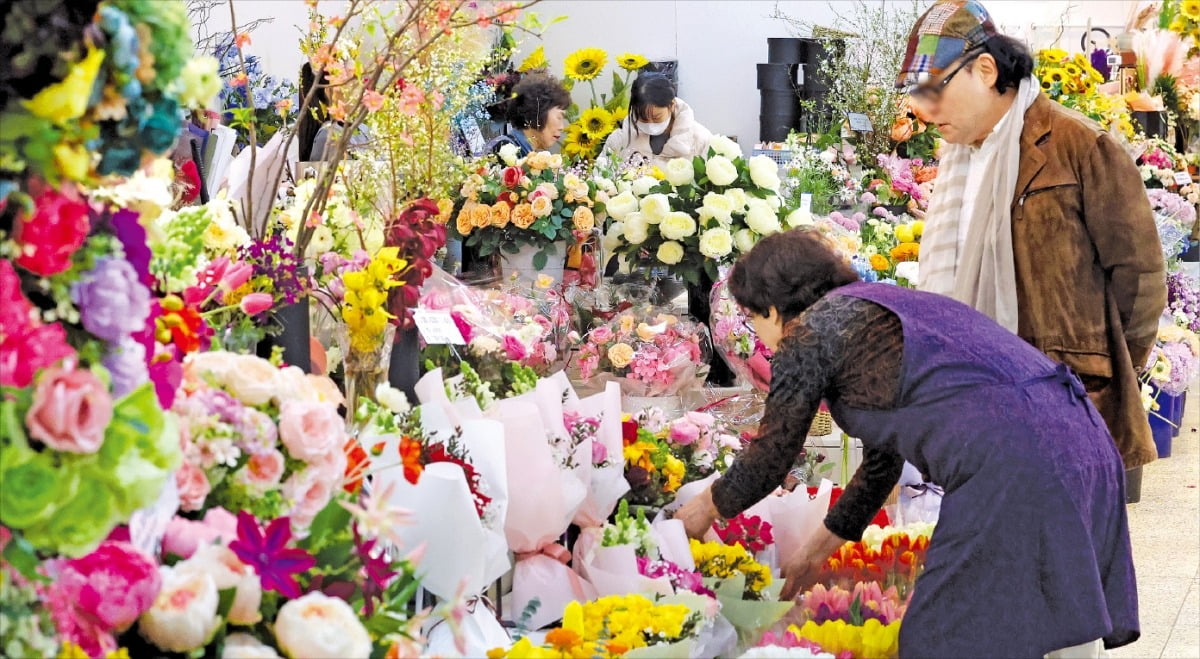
(596, 123)
(585, 63)
(535, 61)
(632, 62)
(1191, 9)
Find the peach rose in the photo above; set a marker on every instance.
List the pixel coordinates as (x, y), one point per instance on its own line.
(522, 216)
(262, 470)
(310, 431)
(542, 206)
(463, 221)
(481, 216)
(500, 214)
(902, 129)
(71, 409)
(193, 487)
(309, 492)
(254, 381)
(539, 160)
(584, 219)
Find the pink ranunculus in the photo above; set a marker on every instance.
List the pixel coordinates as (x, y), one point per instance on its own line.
(71, 409)
(112, 585)
(262, 470)
(309, 491)
(513, 348)
(193, 487)
(184, 536)
(684, 432)
(311, 430)
(601, 335)
(255, 303)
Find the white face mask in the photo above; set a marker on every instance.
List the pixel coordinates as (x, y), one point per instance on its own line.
(653, 129)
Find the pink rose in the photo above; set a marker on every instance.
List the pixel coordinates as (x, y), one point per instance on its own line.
(184, 536)
(309, 491)
(513, 348)
(193, 487)
(601, 335)
(310, 431)
(112, 585)
(70, 410)
(262, 470)
(684, 432)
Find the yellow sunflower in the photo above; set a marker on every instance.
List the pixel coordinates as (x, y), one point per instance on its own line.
(1053, 55)
(578, 144)
(536, 60)
(585, 63)
(597, 123)
(1191, 9)
(632, 61)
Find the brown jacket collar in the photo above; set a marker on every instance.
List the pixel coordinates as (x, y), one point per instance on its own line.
(1038, 119)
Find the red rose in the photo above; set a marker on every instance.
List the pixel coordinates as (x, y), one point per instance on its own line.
(49, 237)
(629, 432)
(511, 177)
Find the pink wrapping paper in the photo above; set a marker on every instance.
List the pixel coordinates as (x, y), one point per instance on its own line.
(613, 570)
(607, 484)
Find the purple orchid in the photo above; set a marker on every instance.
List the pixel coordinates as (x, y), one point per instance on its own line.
(269, 554)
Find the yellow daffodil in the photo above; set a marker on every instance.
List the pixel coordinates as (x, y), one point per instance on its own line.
(535, 61)
(632, 62)
(67, 100)
(585, 64)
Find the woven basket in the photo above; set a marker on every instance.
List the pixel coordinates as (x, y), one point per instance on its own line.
(822, 425)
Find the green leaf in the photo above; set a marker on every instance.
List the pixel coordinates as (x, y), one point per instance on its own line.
(225, 598)
(511, 248)
(21, 555)
(692, 277)
(331, 520)
(540, 259)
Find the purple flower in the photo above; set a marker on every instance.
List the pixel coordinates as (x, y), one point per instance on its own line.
(1184, 365)
(113, 304)
(132, 235)
(269, 555)
(126, 363)
(1183, 299)
(680, 579)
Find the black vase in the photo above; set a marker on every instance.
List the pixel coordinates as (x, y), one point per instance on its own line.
(294, 337)
(404, 369)
(719, 373)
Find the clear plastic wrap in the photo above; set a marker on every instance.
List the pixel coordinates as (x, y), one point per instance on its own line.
(735, 341)
(648, 351)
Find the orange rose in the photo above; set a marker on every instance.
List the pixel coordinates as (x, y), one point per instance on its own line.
(522, 216)
(500, 214)
(542, 206)
(902, 129)
(584, 219)
(463, 222)
(481, 216)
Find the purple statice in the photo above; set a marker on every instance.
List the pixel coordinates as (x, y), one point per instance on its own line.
(275, 264)
(113, 303)
(1184, 367)
(1183, 300)
(680, 578)
(126, 363)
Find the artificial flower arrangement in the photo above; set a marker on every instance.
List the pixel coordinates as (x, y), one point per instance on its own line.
(703, 214)
(735, 339)
(119, 91)
(259, 438)
(1073, 81)
(525, 202)
(822, 174)
(649, 352)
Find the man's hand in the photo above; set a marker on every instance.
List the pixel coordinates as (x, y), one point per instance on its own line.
(698, 515)
(802, 568)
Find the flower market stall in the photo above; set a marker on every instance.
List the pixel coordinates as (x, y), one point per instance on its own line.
(251, 405)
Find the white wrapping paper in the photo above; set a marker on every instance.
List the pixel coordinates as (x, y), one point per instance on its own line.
(607, 484)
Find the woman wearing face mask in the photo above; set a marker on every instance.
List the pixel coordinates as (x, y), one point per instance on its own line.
(660, 126)
(535, 115)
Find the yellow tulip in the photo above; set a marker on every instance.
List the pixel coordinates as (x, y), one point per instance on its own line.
(67, 100)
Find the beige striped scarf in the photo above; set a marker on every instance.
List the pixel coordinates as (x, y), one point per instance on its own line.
(983, 275)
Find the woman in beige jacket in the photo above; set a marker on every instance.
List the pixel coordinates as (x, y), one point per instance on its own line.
(660, 126)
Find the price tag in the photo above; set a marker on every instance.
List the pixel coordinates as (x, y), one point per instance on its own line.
(1183, 178)
(437, 327)
(806, 202)
(860, 122)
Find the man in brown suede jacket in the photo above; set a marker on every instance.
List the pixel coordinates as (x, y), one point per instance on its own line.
(1039, 218)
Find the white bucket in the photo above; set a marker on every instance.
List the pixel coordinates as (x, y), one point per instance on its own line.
(520, 264)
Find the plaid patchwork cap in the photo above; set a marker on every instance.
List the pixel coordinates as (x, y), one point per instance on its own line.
(948, 30)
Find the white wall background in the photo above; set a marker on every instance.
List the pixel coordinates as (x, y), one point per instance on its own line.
(717, 42)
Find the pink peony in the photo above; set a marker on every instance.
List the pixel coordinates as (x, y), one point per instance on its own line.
(311, 430)
(111, 586)
(513, 348)
(309, 491)
(70, 624)
(71, 409)
(184, 536)
(262, 470)
(193, 487)
(684, 432)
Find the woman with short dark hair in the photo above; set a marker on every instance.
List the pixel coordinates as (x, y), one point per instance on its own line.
(660, 126)
(1031, 553)
(535, 115)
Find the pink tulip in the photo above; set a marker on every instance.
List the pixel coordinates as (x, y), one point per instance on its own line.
(256, 303)
(236, 276)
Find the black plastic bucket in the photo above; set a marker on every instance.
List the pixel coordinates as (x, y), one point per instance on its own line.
(785, 50)
(779, 77)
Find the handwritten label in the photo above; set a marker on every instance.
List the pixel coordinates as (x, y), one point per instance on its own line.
(1183, 178)
(437, 327)
(860, 122)
(806, 202)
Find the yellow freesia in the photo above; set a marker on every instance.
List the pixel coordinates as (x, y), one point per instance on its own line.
(67, 100)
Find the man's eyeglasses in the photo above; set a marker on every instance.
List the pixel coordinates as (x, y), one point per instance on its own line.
(931, 93)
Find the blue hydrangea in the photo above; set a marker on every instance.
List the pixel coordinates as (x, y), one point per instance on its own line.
(863, 267)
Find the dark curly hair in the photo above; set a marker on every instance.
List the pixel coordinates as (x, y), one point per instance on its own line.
(789, 271)
(532, 100)
(1013, 61)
